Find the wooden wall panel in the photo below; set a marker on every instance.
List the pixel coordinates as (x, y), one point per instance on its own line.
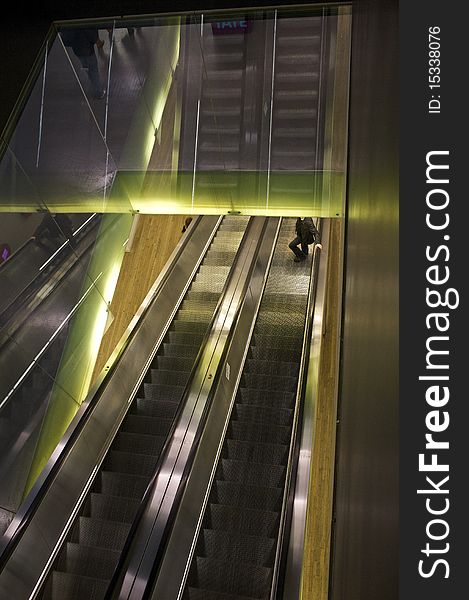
(155, 238)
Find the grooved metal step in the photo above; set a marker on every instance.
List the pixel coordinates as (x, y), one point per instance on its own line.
(231, 577)
(232, 546)
(102, 534)
(91, 561)
(250, 473)
(256, 452)
(201, 594)
(123, 484)
(68, 586)
(137, 443)
(113, 508)
(242, 520)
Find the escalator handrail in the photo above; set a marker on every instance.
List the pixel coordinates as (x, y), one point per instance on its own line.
(121, 565)
(45, 479)
(293, 453)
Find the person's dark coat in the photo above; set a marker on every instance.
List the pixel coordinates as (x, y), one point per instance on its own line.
(306, 230)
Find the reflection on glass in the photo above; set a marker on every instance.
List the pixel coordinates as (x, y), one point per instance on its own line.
(242, 112)
(198, 114)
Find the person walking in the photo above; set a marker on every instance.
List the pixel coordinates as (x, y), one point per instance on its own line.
(306, 234)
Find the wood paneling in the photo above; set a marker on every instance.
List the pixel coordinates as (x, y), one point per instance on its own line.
(155, 238)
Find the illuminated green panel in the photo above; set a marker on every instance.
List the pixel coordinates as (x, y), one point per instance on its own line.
(290, 193)
(71, 159)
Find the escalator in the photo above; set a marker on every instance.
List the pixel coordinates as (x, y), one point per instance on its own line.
(230, 529)
(89, 556)
(220, 132)
(236, 549)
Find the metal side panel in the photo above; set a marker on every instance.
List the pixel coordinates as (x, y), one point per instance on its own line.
(49, 523)
(179, 548)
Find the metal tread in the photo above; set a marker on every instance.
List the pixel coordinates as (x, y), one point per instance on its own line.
(231, 577)
(250, 473)
(243, 520)
(234, 546)
(69, 586)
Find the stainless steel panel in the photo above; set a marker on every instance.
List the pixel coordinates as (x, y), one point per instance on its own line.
(365, 548)
(55, 513)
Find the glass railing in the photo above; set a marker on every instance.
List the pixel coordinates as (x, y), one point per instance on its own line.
(201, 113)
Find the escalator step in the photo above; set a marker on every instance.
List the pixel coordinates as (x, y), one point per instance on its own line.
(103, 534)
(207, 296)
(264, 340)
(220, 257)
(113, 508)
(293, 319)
(232, 578)
(138, 443)
(150, 425)
(241, 520)
(173, 363)
(250, 473)
(195, 316)
(195, 305)
(180, 351)
(123, 484)
(185, 338)
(259, 432)
(201, 594)
(266, 398)
(285, 284)
(204, 285)
(67, 586)
(270, 367)
(155, 408)
(276, 354)
(268, 382)
(236, 547)
(262, 414)
(269, 454)
(280, 330)
(91, 561)
(196, 328)
(169, 393)
(232, 493)
(128, 462)
(167, 377)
